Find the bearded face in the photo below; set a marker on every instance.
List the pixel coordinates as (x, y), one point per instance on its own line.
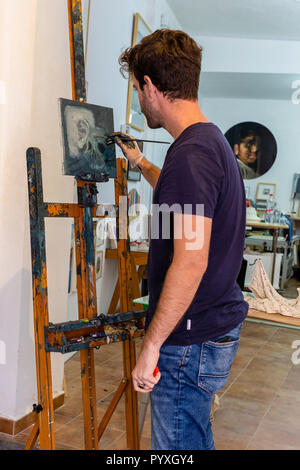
(147, 107)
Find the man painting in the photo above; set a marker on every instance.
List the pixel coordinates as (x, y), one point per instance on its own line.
(196, 308)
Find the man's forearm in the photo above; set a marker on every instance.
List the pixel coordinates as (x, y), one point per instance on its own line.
(149, 171)
(180, 286)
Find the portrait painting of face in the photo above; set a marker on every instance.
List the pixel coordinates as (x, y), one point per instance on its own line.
(85, 128)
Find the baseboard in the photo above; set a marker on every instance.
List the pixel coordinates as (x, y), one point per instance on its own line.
(8, 426)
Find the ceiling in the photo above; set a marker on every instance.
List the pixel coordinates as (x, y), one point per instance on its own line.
(247, 85)
(256, 19)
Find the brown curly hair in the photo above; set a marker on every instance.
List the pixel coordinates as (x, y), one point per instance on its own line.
(171, 58)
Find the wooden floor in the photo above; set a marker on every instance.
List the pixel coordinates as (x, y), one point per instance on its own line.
(259, 407)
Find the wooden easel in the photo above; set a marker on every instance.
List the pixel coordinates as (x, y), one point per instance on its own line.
(78, 335)
(68, 336)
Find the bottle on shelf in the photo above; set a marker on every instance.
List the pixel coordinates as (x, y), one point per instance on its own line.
(270, 202)
(276, 216)
(282, 219)
(269, 214)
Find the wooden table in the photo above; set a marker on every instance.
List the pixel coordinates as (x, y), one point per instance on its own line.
(138, 259)
(275, 228)
(281, 320)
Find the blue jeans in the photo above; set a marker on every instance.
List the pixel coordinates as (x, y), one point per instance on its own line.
(181, 401)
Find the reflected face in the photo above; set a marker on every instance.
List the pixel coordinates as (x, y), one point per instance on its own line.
(248, 151)
(147, 107)
(254, 146)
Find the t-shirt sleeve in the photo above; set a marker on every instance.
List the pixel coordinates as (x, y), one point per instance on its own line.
(191, 181)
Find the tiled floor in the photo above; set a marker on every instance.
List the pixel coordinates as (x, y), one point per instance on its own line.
(260, 404)
(259, 407)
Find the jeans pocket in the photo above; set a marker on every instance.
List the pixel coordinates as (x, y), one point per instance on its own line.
(215, 363)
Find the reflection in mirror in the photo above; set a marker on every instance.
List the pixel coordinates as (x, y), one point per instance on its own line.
(254, 146)
(134, 116)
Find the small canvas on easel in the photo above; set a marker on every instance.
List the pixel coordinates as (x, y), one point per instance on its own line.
(85, 128)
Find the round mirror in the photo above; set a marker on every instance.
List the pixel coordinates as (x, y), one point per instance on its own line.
(254, 146)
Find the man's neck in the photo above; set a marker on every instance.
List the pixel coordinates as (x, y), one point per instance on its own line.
(180, 114)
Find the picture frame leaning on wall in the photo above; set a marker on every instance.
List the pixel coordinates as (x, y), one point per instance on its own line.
(264, 190)
(134, 115)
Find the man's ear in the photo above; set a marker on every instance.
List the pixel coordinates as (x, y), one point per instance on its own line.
(149, 88)
(236, 149)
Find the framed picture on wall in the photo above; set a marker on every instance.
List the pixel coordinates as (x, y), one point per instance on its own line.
(100, 233)
(133, 174)
(134, 115)
(112, 234)
(264, 190)
(133, 205)
(99, 264)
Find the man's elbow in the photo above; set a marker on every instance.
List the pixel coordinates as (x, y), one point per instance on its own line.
(199, 268)
(196, 267)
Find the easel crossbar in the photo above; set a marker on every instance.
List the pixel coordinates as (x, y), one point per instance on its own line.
(101, 320)
(90, 333)
(65, 345)
(57, 209)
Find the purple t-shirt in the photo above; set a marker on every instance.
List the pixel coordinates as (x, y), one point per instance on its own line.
(200, 168)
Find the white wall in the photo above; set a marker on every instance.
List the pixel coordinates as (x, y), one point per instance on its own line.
(223, 54)
(35, 66)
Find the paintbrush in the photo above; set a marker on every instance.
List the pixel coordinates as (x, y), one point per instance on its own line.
(112, 140)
